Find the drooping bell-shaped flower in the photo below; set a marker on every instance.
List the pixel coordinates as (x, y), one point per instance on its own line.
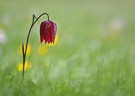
(47, 34)
(48, 31)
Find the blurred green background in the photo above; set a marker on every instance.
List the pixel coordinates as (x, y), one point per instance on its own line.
(94, 54)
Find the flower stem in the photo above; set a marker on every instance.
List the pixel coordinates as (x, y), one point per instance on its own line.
(24, 50)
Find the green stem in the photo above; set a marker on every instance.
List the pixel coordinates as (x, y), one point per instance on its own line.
(27, 40)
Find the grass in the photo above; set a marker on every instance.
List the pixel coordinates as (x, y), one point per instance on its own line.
(94, 55)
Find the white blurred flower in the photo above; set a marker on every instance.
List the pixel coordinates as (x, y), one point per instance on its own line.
(116, 25)
(116, 28)
(113, 29)
(3, 37)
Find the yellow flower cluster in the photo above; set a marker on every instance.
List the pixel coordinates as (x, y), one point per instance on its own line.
(26, 67)
(27, 64)
(28, 49)
(42, 50)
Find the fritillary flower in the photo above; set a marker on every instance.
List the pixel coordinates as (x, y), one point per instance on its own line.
(48, 31)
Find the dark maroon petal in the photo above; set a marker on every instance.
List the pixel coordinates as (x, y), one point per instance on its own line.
(54, 32)
(47, 35)
(48, 31)
(42, 29)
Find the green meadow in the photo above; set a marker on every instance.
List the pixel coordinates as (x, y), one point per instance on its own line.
(94, 54)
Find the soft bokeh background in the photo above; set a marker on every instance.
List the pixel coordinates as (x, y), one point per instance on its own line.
(94, 54)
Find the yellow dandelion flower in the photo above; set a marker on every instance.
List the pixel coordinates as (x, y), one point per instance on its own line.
(55, 42)
(28, 49)
(43, 50)
(26, 67)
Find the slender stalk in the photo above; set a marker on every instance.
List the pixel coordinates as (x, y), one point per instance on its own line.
(34, 17)
(27, 40)
(23, 58)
